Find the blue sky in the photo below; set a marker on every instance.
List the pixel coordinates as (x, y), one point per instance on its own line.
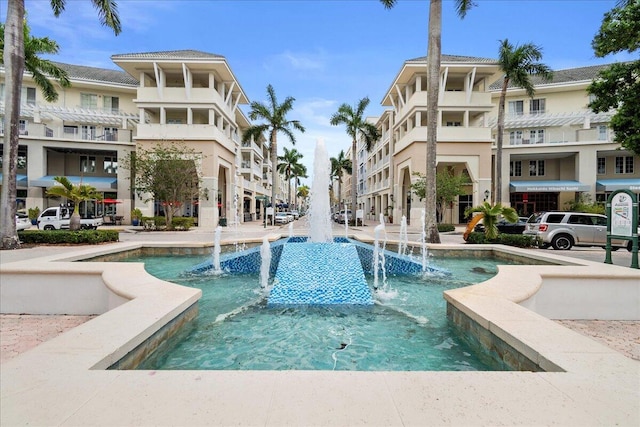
(322, 53)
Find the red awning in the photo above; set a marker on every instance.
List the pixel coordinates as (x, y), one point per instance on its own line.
(110, 201)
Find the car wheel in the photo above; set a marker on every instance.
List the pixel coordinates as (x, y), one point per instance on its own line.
(544, 245)
(49, 227)
(562, 242)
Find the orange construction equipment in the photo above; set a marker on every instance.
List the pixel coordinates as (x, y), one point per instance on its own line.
(472, 224)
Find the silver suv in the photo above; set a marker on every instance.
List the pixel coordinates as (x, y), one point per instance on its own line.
(563, 230)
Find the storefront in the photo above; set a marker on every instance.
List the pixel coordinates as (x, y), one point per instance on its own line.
(528, 197)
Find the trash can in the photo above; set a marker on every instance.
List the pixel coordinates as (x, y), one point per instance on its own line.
(223, 222)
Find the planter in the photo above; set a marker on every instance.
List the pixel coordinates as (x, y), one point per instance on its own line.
(135, 222)
(223, 222)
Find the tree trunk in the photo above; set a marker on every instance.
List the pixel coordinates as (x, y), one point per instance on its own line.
(497, 191)
(14, 67)
(354, 180)
(274, 174)
(433, 89)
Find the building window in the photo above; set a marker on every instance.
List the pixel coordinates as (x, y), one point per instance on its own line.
(455, 124)
(89, 100)
(536, 168)
(602, 133)
(536, 106)
(516, 108)
(88, 164)
(602, 165)
(28, 96)
(110, 134)
(22, 127)
(111, 103)
(515, 137)
(515, 168)
(536, 136)
(88, 132)
(624, 164)
(110, 165)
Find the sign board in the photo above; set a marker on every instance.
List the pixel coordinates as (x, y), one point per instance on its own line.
(621, 215)
(622, 222)
(269, 211)
(360, 214)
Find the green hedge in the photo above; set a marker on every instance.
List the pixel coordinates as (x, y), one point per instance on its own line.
(518, 240)
(66, 237)
(443, 228)
(177, 223)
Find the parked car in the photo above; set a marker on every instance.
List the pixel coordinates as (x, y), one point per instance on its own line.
(295, 214)
(290, 216)
(22, 221)
(341, 217)
(57, 218)
(281, 218)
(506, 227)
(563, 230)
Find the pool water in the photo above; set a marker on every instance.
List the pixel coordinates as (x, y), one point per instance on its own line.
(406, 330)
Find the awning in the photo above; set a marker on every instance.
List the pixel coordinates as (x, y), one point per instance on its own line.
(110, 201)
(101, 183)
(546, 186)
(21, 181)
(632, 184)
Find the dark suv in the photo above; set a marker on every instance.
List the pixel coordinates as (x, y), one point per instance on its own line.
(563, 230)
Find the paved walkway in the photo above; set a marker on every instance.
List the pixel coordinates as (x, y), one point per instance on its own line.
(19, 333)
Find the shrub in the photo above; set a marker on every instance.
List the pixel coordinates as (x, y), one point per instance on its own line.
(443, 228)
(182, 222)
(517, 240)
(67, 237)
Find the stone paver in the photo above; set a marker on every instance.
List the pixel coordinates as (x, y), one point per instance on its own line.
(19, 332)
(620, 335)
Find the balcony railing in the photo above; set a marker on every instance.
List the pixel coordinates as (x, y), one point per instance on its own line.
(75, 133)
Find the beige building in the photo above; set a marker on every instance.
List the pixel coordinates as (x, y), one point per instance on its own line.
(187, 96)
(555, 148)
(464, 135)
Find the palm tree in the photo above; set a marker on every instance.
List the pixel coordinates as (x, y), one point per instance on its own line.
(299, 171)
(275, 116)
(490, 215)
(289, 161)
(518, 63)
(14, 61)
(433, 87)
(357, 125)
(303, 193)
(339, 165)
(76, 194)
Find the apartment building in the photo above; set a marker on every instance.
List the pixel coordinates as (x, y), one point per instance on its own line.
(555, 147)
(464, 136)
(186, 96)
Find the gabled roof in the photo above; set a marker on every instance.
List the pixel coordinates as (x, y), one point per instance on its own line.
(169, 54)
(569, 75)
(457, 58)
(93, 74)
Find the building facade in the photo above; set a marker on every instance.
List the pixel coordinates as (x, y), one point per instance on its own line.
(161, 97)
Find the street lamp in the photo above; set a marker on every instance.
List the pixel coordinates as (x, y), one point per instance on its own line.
(486, 194)
(263, 199)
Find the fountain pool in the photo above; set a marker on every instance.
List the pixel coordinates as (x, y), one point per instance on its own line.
(237, 330)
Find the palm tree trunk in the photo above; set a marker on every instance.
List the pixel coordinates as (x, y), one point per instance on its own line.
(354, 180)
(274, 173)
(14, 66)
(497, 192)
(433, 88)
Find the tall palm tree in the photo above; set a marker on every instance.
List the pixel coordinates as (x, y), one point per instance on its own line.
(519, 64)
(14, 61)
(76, 194)
(275, 117)
(339, 165)
(299, 171)
(433, 87)
(357, 126)
(289, 161)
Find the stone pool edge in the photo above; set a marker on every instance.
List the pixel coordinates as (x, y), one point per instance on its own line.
(598, 386)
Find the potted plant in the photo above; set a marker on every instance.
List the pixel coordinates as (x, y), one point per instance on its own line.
(33, 214)
(136, 216)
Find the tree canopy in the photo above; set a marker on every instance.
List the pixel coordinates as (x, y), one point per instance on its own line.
(618, 86)
(448, 187)
(76, 194)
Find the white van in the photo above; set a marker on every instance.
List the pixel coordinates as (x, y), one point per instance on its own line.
(58, 218)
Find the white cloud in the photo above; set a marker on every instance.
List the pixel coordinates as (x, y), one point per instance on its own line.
(297, 61)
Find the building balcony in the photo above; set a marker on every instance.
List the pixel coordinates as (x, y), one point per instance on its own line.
(180, 95)
(184, 132)
(473, 100)
(73, 133)
(463, 134)
(252, 147)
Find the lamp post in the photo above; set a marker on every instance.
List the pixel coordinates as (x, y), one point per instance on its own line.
(486, 194)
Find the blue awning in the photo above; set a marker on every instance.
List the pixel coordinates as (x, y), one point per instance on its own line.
(21, 181)
(101, 183)
(547, 186)
(632, 184)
